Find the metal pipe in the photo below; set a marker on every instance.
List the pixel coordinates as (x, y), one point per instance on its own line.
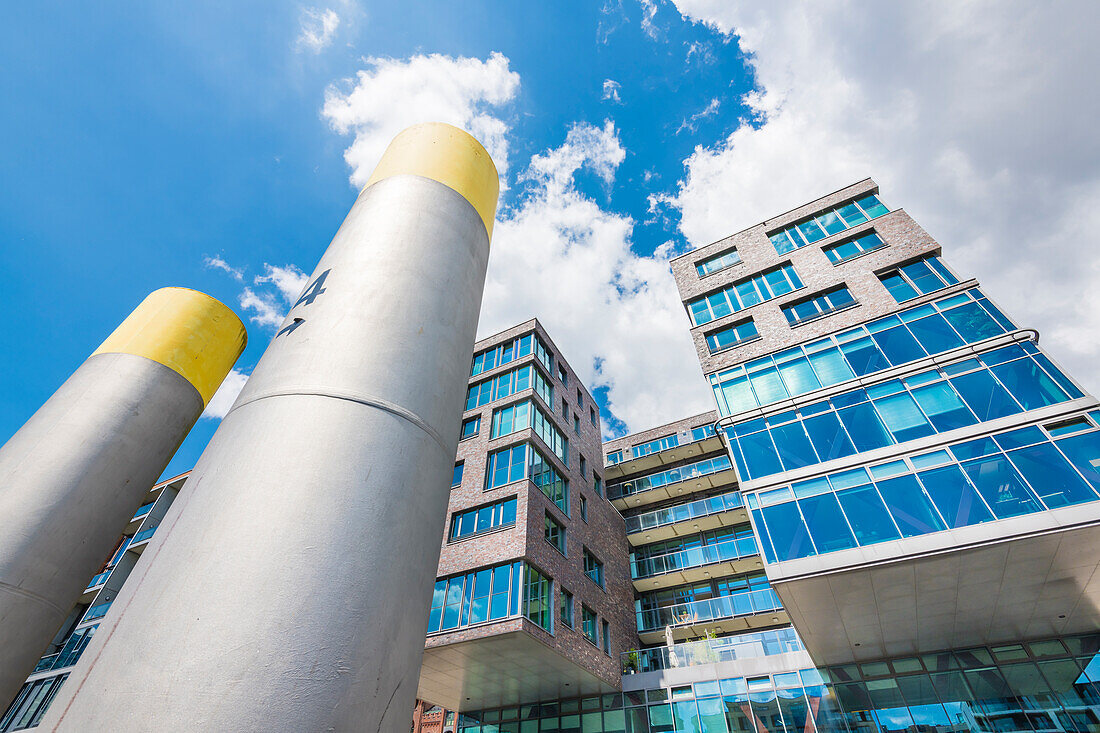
(288, 587)
(72, 476)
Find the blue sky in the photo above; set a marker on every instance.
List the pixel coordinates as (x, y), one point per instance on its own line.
(145, 143)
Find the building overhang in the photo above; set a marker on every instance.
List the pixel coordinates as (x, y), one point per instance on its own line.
(1027, 577)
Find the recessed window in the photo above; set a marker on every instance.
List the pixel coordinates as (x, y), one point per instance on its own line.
(828, 223)
(593, 568)
(564, 408)
(580, 398)
(483, 519)
(584, 466)
(744, 293)
(584, 508)
(576, 424)
(563, 375)
(555, 533)
(821, 305)
(845, 251)
(605, 637)
(588, 624)
(917, 278)
(597, 483)
(736, 334)
(509, 352)
(457, 478)
(592, 417)
(614, 457)
(538, 604)
(470, 427)
(718, 262)
(567, 608)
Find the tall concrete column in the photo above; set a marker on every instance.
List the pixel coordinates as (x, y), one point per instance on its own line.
(73, 475)
(288, 587)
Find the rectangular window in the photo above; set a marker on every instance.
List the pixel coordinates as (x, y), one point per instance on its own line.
(456, 479)
(555, 533)
(537, 602)
(551, 483)
(597, 483)
(506, 466)
(593, 568)
(669, 441)
(511, 419)
(551, 436)
(819, 306)
(584, 466)
(828, 223)
(592, 417)
(580, 399)
(702, 432)
(744, 293)
(563, 375)
(732, 336)
(584, 508)
(845, 251)
(483, 519)
(605, 637)
(470, 427)
(475, 597)
(576, 424)
(509, 352)
(718, 262)
(614, 457)
(588, 624)
(917, 278)
(567, 608)
(507, 384)
(564, 408)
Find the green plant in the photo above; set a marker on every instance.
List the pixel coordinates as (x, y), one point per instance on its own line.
(631, 661)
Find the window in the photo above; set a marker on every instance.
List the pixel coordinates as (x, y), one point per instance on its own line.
(563, 375)
(576, 424)
(828, 223)
(732, 336)
(538, 604)
(584, 466)
(555, 533)
(668, 476)
(483, 519)
(845, 251)
(564, 408)
(588, 624)
(31, 703)
(509, 352)
(506, 466)
(744, 293)
(456, 479)
(605, 637)
(551, 436)
(669, 441)
(480, 595)
(593, 568)
(925, 330)
(470, 427)
(597, 483)
(702, 432)
(592, 417)
(523, 460)
(511, 419)
(551, 483)
(584, 508)
(819, 306)
(580, 398)
(614, 457)
(720, 261)
(567, 608)
(917, 278)
(507, 384)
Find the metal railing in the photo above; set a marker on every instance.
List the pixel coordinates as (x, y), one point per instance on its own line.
(99, 579)
(69, 653)
(144, 535)
(745, 603)
(96, 612)
(694, 557)
(670, 476)
(143, 510)
(709, 651)
(683, 512)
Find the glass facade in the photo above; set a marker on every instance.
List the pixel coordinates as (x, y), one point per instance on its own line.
(740, 595)
(1016, 472)
(828, 223)
(744, 293)
(538, 603)
(483, 519)
(965, 318)
(522, 461)
(30, 704)
(1002, 382)
(683, 512)
(509, 352)
(644, 449)
(712, 546)
(718, 262)
(482, 595)
(508, 384)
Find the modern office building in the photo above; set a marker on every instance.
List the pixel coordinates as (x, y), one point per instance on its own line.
(887, 524)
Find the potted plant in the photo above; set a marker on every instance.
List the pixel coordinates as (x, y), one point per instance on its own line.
(630, 661)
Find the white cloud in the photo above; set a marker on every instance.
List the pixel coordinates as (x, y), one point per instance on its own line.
(289, 280)
(226, 395)
(276, 290)
(616, 316)
(395, 93)
(317, 28)
(689, 123)
(611, 89)
(977, 117)
(649, 12)
(217, 263)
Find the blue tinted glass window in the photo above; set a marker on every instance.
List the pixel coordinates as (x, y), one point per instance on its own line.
(828, 436)
(811, 231)
(831, 367)
(760, 455)
(1029, 384)
(956, 499)
(826, 522)
(794, 447)
(909, 506)
(1001, 487)
(867, 515)
(922, 276)
(899, 288)
(872, 206)
(898, 345)
(973, 449)
(864, 427)
(738, 395)
(1083, 452)
(765, 538)
(984, 395)
(830, 222)
(902, 417)
(852, 215)
(1051, 476)
(798, 376)
(864, 356)
(787, 531)
(934, 334)
(1058, 376)
(972, 322)
(943, 407)
(767, 386)
(457, 478)
(782, 243)
(748, 294)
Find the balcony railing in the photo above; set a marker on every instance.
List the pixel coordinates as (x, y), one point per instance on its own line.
(683, 512)
(671, 476)
(69, 653)
(143, 535)
(745, 603)
(96, 612)
(99, 579)
(709, 651)
(143, 510)
(694, 557)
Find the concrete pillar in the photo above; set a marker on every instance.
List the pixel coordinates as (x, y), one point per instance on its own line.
(72, 476)
(288, 587)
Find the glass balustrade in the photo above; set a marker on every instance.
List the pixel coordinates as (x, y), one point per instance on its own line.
(710, 609)
(683, 512)
(710, 651)
(694, 557)
(143, 510)
(99, 579)
(670, 476)
(96, 612)
(144, 535)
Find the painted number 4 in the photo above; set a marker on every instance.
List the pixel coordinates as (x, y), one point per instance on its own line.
(315, 288)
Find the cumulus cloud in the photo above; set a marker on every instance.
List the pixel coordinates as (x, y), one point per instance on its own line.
(217, 263)
(392, 94)
(226, 395)
(976, 117)
(611, 89)
(564, 258)
(317, 28)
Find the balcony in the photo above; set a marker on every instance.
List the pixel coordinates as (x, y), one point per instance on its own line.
(711, 651)
(142, 511)
(740, 611)
(724, 510)
(665, 457)
(697, 564)
(98, 579)
(143, 535)
(671, 483)
(96, 612)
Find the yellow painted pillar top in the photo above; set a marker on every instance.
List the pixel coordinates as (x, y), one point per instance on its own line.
(449, 155)
(187, 331)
